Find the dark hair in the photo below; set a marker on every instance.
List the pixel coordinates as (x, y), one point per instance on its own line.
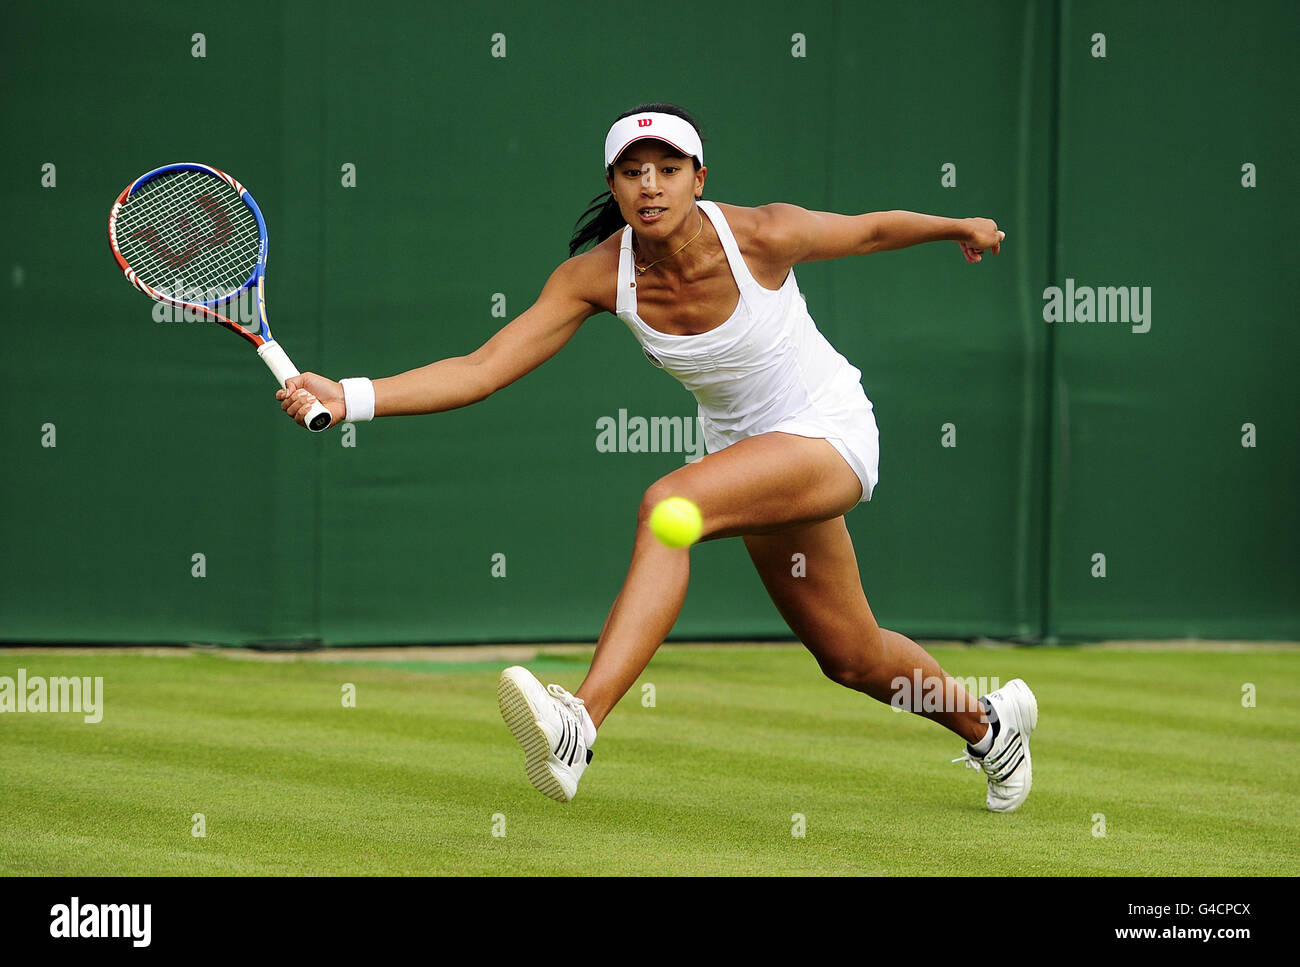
(606, 217)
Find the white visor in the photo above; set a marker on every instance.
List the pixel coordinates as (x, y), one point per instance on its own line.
(662, 127)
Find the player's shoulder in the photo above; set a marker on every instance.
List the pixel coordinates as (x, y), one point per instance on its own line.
(593, 275)
(760, 230)
(776, 216)
(600, 257)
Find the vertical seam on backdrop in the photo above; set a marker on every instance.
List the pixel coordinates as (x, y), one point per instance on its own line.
(832, 302)
(1050, 350)
(318, 586)
(1028, 402)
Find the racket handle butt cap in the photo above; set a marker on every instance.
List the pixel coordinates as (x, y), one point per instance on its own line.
(318, 418)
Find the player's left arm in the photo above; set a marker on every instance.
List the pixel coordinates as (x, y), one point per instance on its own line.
(796, 235)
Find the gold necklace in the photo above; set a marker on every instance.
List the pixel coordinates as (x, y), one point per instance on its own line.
(643, 271)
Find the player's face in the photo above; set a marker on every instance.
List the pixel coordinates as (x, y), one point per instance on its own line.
(653, 175)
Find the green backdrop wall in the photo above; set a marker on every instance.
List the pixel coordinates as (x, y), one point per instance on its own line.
(1167, 163)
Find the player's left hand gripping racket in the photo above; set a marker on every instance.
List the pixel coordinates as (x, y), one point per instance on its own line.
(191, 230)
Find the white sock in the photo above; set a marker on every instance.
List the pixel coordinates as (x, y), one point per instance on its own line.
(588, 728)
(982, 747)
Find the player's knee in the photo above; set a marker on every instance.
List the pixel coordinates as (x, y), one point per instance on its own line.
(849, 673)
(657, 492)
(854, 664)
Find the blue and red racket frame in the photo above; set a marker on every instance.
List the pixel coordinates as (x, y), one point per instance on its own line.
(256, 279)
(317, 417)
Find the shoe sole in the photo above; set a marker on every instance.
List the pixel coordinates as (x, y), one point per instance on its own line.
(522, 720)
(1026, 730)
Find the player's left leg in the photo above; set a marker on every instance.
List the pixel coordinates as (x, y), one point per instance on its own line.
(823, 602)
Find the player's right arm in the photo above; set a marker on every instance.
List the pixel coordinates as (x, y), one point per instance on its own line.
(517, 348)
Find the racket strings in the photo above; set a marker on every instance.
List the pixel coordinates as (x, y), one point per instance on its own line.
(189, 231)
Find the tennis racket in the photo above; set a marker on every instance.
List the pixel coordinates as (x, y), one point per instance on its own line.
(189, 230)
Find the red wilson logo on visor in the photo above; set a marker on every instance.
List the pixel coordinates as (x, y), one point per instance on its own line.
(644, 122)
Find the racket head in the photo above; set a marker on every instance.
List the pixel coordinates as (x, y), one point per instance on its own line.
(190, 235)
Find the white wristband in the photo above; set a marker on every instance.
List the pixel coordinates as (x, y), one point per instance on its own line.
(359, 398)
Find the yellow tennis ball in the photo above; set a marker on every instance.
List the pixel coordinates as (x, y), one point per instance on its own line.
(676, 522)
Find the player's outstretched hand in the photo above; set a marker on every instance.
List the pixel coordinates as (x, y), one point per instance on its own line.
(301, 391)
(984, 234)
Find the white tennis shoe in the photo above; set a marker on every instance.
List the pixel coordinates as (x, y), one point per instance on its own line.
(548, 723)
(1013, 716)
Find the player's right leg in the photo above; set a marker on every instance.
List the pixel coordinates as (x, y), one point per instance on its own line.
(758, 484)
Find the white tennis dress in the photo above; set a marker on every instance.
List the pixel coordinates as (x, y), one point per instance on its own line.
(765, 369)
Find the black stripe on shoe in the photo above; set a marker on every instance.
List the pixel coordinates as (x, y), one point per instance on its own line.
(564, 738)
(1013, 746)
(1006, 774)
(573, 746)
(573, 742)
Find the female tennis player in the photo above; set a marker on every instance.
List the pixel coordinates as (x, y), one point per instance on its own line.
(708, 289)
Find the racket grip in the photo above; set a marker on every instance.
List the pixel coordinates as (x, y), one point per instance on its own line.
(282, 367)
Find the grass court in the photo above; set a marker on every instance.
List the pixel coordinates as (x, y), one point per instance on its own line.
(422, 777)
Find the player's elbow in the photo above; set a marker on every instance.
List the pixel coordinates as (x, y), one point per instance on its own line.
(492, 369)
(482, 380)
(872, 235)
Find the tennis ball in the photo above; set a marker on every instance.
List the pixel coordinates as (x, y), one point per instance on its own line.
(676, 522)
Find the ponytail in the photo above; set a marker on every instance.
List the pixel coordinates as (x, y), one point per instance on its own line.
(608, 219)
